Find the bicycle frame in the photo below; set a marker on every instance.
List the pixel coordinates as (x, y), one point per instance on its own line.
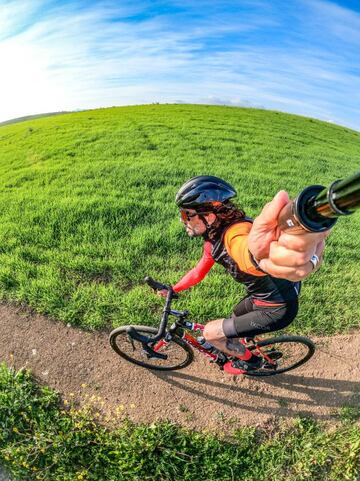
(277, 352)
(181, 325)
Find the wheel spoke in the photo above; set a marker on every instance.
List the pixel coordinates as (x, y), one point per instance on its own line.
(282, 354)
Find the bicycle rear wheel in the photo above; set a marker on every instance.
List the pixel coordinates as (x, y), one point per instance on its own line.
(179, 354)
(282, 354)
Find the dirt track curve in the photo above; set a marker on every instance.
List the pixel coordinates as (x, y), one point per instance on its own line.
(82, 367)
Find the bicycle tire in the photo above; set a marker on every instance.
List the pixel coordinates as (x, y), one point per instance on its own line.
(120, 334)
(301, 348)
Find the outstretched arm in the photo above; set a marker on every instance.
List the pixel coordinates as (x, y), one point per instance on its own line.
(198, 273)
(279, 254)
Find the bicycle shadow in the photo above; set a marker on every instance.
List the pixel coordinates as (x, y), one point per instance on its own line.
(316, 393)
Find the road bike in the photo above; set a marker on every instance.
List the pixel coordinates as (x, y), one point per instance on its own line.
(171, 348)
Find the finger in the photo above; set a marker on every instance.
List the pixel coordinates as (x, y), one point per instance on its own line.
(301, 242)
(320, 253)
(320, 248)
(271, 211)
(293, 274)
(281, 256)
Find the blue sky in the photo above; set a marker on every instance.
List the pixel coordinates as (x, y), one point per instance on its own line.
(298, 56)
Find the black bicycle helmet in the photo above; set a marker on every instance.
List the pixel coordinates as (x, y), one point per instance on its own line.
(202, 191)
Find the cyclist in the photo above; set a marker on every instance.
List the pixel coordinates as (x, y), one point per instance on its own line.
(271, 264)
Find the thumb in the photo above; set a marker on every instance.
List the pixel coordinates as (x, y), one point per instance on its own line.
(271, 211)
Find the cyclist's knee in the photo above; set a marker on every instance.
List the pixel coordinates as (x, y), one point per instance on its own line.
(214, 331)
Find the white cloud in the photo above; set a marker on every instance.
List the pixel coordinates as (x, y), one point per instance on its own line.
(342, 22)
(14, 15)
(86, 59)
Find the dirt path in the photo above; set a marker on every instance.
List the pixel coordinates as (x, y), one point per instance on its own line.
(82, 367)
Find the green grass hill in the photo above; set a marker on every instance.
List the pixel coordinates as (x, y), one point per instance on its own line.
(87, 209)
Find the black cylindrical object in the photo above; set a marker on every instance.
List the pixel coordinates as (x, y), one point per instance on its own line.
(342, 198)
(316, 208)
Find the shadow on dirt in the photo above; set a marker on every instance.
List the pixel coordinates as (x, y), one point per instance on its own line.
(314, 392)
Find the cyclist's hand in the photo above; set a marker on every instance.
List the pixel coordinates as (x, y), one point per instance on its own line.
(283, 255)
(162, 293)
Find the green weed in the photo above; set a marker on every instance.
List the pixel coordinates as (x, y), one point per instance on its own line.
(43, 439)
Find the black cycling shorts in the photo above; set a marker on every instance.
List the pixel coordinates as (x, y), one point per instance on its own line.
(249, 320)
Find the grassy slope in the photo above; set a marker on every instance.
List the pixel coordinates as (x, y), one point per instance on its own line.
(87, 208)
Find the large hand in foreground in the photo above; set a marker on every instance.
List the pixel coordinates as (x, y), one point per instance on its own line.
(283, 255)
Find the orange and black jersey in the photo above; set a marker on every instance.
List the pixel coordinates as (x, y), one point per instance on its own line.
(230, 249)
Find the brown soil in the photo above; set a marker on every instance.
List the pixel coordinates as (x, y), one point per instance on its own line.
(84, 369)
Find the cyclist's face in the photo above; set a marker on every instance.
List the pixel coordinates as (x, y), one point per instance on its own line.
(194, 226)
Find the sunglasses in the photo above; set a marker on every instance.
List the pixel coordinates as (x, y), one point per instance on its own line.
(185, 216)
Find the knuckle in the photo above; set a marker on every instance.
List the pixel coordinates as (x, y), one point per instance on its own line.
(301, 259)
(301, 246)
(294, 278)
(301, 274)
(292, 242)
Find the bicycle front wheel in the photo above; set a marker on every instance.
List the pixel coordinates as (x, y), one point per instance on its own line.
(282, 354)
(179, 354)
